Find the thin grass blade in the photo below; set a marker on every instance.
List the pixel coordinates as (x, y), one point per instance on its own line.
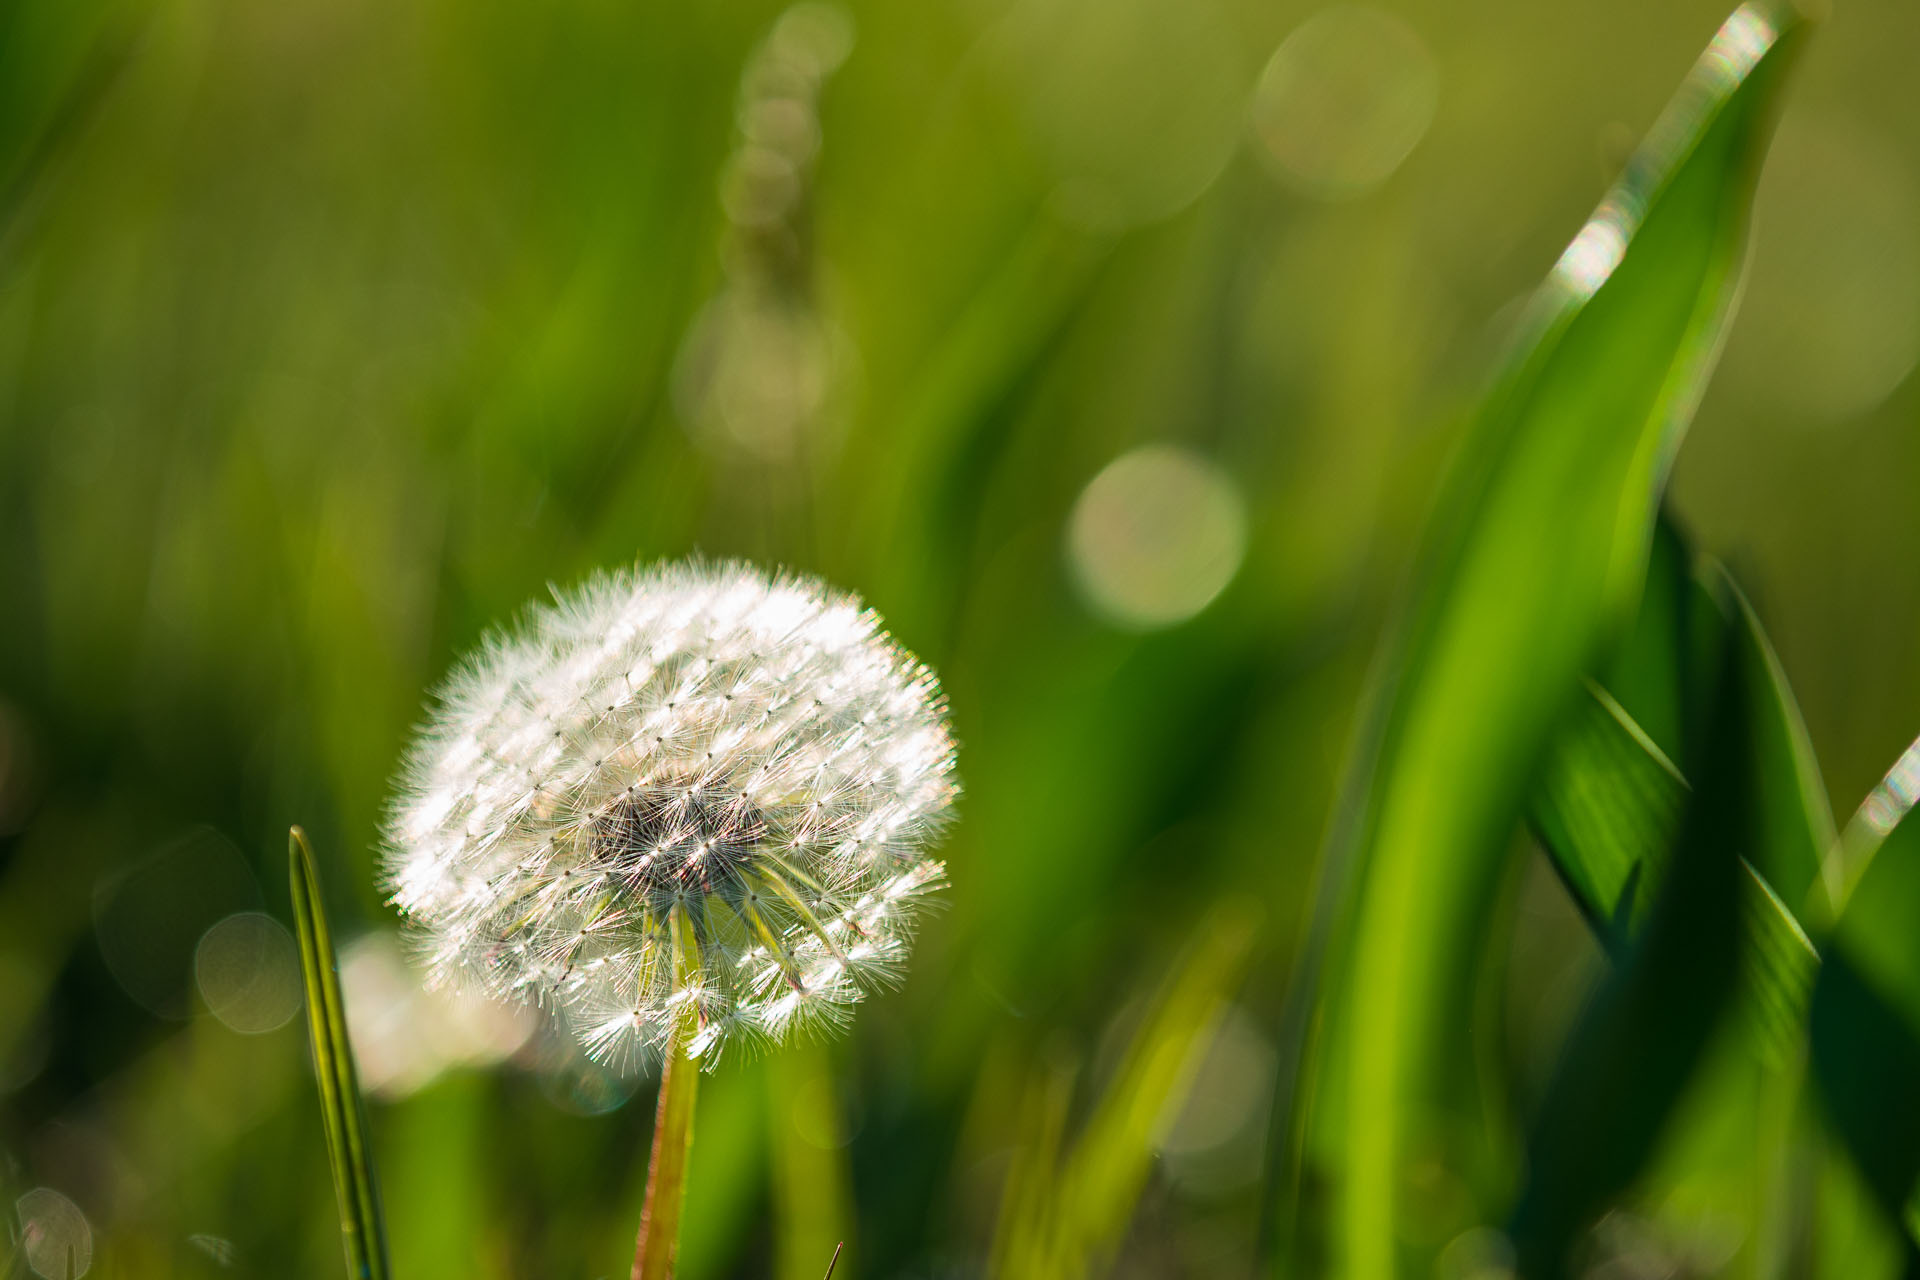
(1105, 1172)
(362, 1224)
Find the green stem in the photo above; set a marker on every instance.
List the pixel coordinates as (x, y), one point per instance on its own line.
(672, 1126)
(667, 1169)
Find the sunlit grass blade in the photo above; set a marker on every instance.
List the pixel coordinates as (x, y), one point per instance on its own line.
(1104, 1173)
(1061, 1223)
(1634, 1049)
(362, 1225)
(1021, 1239)
(1884, 809)
(1536, 551)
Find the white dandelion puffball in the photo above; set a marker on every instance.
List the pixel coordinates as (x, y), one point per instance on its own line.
(688, 799)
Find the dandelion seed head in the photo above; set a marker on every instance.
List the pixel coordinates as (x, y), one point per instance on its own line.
(687, 795)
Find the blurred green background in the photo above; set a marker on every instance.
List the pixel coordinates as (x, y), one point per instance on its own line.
(1110, 348)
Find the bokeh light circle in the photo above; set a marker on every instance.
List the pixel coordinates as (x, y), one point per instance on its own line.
(55, 1236)
(150, 915)
(249, 973)
(1344, 100)
(1156, 536)
(407, 1035)
(1135, 105)
(1830, 322)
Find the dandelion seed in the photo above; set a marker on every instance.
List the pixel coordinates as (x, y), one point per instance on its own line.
(681, 797)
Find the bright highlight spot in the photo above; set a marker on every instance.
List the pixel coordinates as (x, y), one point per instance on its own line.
(150, 916)
(1156, 536)
(249, 973)
(1344, 100)
(406, 1035)
(55, 1237)
(1595, 251)
(1743, 39)
(1214, 1144)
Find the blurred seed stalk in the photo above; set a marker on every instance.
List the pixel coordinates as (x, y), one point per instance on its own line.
(761, 376)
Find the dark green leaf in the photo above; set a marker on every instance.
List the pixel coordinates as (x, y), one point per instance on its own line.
(1607, 808)
(1637, 1044)
(1866, 1005)
(1607, 804)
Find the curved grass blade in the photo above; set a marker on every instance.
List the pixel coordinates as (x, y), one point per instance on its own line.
(1647, 1028)
(1796, 822)
(1607, 809)
(1600, 812)
(362, 1224)
(16, 1259)
(1884, 809)
(1608, 803)
(1865, 1024)
(1539, 541)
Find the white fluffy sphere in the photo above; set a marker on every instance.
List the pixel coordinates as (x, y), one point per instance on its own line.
(688, 798)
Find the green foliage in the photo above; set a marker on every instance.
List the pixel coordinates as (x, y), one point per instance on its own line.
(1625, 1064)
(1537, 548)
(331, 332)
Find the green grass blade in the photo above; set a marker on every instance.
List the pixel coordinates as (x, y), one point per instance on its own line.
(1065, 1222)
(1884, 809)
(1021, 1238)
(1797, 829)
(1865, 1058)
(1639, 1041)
(1607, 811)
(1607, 808)
(1107, 1168)
(1865, 1024)
(362, 1225)
(1537, 549)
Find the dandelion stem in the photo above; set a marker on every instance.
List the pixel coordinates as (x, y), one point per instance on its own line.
(672, 1142)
